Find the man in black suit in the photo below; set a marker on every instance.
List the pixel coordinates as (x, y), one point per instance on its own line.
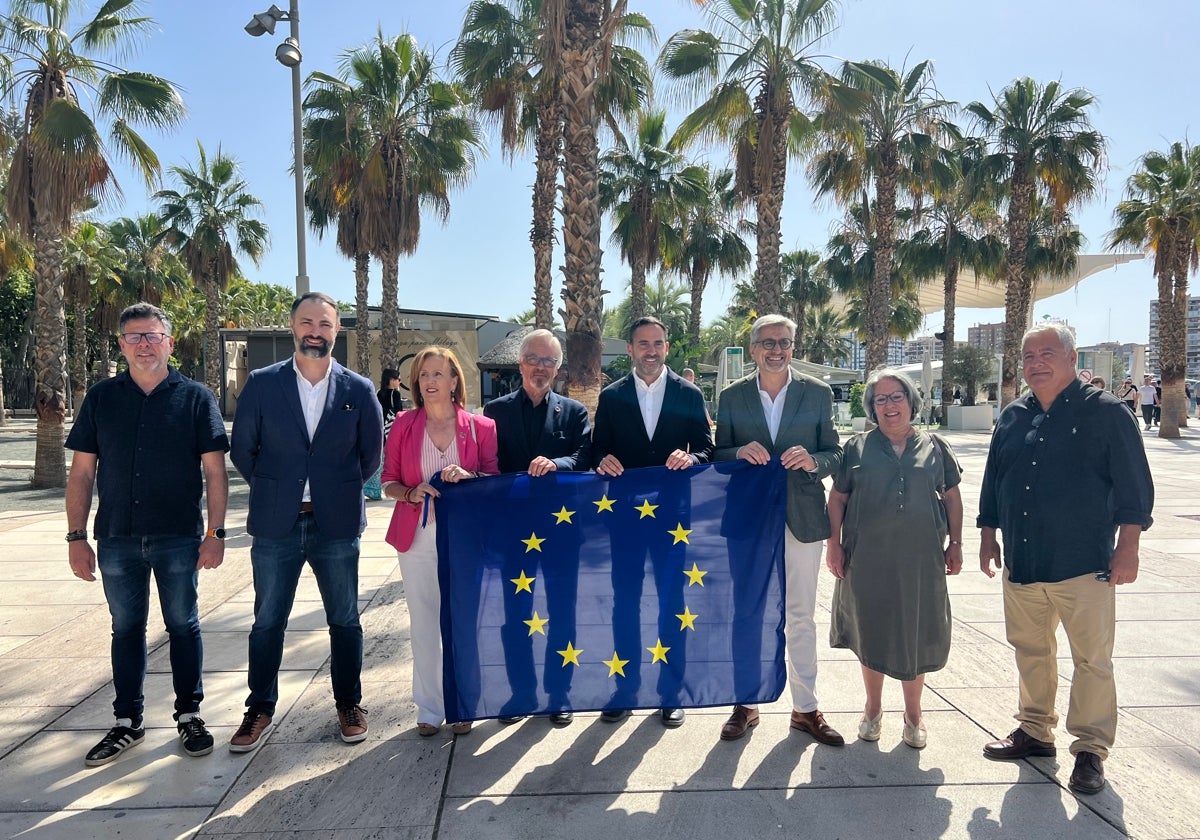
(540, 432)
(648, 418)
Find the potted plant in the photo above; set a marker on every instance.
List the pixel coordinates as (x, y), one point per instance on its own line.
(858, 415)
(971, 367)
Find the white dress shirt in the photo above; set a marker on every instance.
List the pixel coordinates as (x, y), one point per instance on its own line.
(773, 408)
(650, 399)
(312, 400)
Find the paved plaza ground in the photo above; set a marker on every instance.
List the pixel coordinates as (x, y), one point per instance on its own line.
(589, 780)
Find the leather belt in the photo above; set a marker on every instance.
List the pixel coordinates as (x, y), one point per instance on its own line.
(306, 507)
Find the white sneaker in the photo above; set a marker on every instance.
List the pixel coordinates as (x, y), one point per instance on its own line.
(914, 736)
(869, 729)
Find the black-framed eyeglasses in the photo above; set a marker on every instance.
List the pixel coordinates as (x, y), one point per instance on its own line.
(533, 360)
(1031, 435)
(149, 338)
(883, 399)
(772, 343)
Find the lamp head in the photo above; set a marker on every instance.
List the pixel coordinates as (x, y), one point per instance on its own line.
(263, 23)
(288, 53)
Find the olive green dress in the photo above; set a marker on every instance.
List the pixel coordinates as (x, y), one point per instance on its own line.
(892, 608)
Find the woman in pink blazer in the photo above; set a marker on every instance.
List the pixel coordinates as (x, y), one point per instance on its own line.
(441, 438)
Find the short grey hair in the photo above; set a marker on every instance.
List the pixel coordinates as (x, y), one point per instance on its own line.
(906, 384)
(772, 321)
(544, 335)
(143, 310)
(1064, 332)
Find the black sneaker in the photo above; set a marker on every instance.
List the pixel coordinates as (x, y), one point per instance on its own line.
(118, 739)
(197, 740)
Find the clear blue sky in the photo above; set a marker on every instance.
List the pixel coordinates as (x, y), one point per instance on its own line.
(1137, 60)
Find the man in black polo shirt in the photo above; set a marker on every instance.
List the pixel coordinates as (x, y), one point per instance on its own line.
(1066, 470)
(144, 437)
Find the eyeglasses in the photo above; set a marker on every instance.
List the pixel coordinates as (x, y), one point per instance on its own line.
(1031, 435)
(149, 338)
(540, 361)
(772, 343)
(896, 397)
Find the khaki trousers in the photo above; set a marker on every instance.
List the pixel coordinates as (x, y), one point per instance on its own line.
(1086, 608)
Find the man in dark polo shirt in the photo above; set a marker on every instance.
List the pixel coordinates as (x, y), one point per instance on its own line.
(143, 438)
(1065, 472)
(540, 432)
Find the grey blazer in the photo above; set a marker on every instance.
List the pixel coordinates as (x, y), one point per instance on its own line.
(807, 421)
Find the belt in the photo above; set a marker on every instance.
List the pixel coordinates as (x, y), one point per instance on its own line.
(306, 507)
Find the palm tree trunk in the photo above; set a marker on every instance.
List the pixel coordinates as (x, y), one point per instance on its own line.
(582, 291)
(1172, 335)
(879, 299)
(50, 362)
(79, 358)
(1020, 285)
(950, 291)
(212, 332)
(637, 286)
(768, 276)
(105, 359)
(545, 195)
(362, 314)
(3, 413)
(699, 280)
(389, 340)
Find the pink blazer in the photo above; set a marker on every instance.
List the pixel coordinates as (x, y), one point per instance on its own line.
(402, 462)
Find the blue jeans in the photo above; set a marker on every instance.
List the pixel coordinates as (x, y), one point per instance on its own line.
(277, 564)
(125, 565)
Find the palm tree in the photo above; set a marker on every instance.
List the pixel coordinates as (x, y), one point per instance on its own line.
(709, 242)
(822, 340)
(500, 58)
(888, 135)
(1161, 212)
(647, 186)
(209, 223)
(1040, 138)
(757, 69)
(419, 142)
(807, 283)
(90, 259)
(61, 161)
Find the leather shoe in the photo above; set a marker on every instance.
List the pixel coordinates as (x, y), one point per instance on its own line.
(814, 724)
(1018, 744)
(509, 720)
(614, 715)
(741, 720)
(1088, 775)
(561, 718)
(671, 718)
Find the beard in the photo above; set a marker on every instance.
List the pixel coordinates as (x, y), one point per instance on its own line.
(313, 351)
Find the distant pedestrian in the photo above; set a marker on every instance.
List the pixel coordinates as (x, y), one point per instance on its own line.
(1128, 394)
(1149, 399)
(145, 438)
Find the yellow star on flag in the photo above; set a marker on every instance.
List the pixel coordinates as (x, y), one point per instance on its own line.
(646, 509)
(695, 575)
(563, 515)
(570, 655)
(680, 534)
(604, 504)
(687, 621)
(616, 665)
(534, 543)
(522, 583)
(660, 652)
(537, 624)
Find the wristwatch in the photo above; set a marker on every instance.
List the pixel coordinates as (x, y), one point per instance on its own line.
(215, 533)
(76, 536)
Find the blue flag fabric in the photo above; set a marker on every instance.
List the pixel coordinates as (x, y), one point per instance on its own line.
(573, 591)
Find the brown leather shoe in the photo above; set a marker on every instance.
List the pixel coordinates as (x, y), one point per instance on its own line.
(814, 724)
(352, 721)
(741, 720)
(1018, 744)
(250, 735)
(1088, 776)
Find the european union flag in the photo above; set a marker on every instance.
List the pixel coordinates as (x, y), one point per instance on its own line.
(573, 591)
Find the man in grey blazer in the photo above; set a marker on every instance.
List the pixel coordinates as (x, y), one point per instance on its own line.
(777, 413)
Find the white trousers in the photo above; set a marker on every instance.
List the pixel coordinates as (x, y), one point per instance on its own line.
(419, 568)
(801, 565)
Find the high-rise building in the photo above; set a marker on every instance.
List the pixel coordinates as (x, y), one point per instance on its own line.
(858, 352)
(990, 337)
(1153, 364)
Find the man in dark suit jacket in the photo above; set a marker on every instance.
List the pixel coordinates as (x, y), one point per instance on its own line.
(540, 432)
(777, 413)
(306, 437)
(648, 418)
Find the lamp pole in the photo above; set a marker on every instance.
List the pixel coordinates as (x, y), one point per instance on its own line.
(298, 155)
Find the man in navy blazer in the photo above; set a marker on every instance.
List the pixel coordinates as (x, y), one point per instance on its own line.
(306, 437)
(648, 418)
(540, 432)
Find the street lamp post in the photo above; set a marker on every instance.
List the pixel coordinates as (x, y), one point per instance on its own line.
(288, 54)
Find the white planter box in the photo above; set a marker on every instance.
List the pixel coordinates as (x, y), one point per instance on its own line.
(969, 418)
(858, 424)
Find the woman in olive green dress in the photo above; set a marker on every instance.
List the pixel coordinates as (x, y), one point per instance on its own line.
(894, 503)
